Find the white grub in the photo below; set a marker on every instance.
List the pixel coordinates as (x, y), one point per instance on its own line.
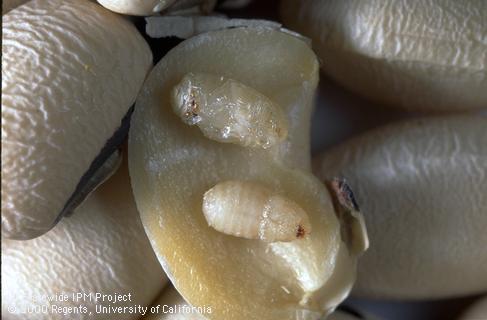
(228, 111)
(251, 210)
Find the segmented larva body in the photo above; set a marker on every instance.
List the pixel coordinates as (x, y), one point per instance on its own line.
(251, 210)
(228, 111)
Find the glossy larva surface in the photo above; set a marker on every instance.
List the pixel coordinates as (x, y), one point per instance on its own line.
(229, 111)
(426, 55)
(251, 210)
(172, 165)
(70, 72)
(422, 188)
(101, 248)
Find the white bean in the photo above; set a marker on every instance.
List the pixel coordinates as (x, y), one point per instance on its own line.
(422, 188)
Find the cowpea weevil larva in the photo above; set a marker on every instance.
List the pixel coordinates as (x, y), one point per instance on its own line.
(229, 111)
(251, 210)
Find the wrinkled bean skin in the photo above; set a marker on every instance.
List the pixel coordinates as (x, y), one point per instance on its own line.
(422, 187)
